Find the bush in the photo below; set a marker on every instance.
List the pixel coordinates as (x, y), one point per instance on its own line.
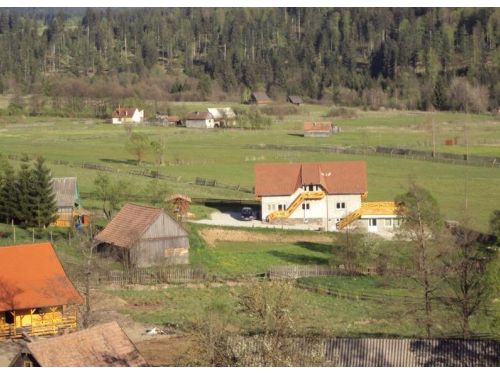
(342, 112)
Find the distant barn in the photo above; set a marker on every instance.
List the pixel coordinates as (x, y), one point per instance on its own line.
(69, 210)
(260, 98)
(294, 99)
(223, 117)
(202, 120)
(142, 236)
(127, 115)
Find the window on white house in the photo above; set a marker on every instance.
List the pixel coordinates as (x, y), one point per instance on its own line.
(305, 206)
(372, 222)
(397, 222)
(388, 222)
(340, 205)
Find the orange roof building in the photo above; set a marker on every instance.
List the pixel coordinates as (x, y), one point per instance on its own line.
(105, 345)
(36, 296)
(320, 193)
(317, 129)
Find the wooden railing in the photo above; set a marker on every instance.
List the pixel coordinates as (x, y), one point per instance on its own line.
(369, 208)
(10, 331)
(303, 196)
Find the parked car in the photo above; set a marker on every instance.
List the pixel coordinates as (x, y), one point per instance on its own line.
(247, 213)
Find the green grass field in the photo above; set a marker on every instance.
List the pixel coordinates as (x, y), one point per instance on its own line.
(221, 155)
(231, 259)
(310, 312)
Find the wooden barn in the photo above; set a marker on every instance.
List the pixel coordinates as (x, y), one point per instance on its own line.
(295, 100)
(104, 345)
(69, 210)
(36, 296)
(260, 98)
(202, 120)
(142, 236)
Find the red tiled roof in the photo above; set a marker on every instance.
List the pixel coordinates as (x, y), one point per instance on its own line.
(336, 177)
(317, 126)
(31, 276)
(198, 116)
(124, 112)
(179, 196)
(128, 225)
(105, 345)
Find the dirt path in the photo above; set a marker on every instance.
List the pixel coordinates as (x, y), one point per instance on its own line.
(210, 235)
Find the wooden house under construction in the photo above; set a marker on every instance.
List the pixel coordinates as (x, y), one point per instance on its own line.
(36, 296)
(104, 345)
(141, 236)
(69, 210)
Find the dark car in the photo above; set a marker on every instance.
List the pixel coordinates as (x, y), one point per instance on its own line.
(247, 213)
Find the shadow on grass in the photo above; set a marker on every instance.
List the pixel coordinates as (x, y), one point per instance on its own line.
(313, 246)
(298, 258)
(296, 135)
(115, 161)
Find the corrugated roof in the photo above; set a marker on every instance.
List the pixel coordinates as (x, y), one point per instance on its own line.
(317, 126)
(105, 345)
(295, 99)
(336, 177)
(31, 276)
(66, 191)
(128, 225)
(198, 116)
(261, 96)
(124, 112)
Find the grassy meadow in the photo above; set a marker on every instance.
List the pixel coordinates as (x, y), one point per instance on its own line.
(221, 154)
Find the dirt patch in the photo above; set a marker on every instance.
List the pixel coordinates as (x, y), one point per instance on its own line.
(210, 235)
(168, 350)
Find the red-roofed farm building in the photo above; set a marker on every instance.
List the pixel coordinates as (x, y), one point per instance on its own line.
(328, 194)
(141, 236)
(36, 296)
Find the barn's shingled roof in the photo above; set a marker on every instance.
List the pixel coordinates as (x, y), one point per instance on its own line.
(66, 191)
(128, 225)
(261, 96)
(31, 276)
(104, 345)
(336, 177)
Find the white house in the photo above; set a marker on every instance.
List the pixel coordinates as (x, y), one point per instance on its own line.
(127, 115)
(202, 120)
(328, 194)
(223, 117)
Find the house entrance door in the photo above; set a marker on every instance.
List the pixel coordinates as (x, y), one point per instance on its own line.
(372, 225)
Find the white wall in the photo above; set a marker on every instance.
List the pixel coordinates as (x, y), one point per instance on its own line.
(205, 124)
(318, 208)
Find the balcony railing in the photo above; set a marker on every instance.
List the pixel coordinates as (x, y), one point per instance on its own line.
(10, 331)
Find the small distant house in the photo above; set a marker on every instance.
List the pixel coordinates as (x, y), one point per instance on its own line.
(104, 345)
(223, 117)
(69, 211)
(181, 204)
(202, 120)
(317, 129)
(142, 236)
(168, 120)
(294, 99)
(127, 115)
(36, 296)
(260, 98)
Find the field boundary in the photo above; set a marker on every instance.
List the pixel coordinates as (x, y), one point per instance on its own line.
(446, 158)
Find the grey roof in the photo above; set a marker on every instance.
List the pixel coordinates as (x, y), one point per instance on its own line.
(260, 96)
(295, 99)
(66, 191)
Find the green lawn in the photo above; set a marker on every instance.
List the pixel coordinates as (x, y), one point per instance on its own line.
(231, 259)
(310, 312)
(221, 155)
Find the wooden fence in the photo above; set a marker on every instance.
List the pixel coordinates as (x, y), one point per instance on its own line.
(298, 271)
(448, 158)
(148, 276)
(370, 352)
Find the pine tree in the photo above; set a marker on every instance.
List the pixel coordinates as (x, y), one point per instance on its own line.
(7, 182)
(43, 196)
(22, 194)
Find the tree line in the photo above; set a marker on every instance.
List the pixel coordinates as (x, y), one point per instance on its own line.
(27, 198)
(444, 58)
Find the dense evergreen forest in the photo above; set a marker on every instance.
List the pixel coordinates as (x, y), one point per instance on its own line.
(411, 58)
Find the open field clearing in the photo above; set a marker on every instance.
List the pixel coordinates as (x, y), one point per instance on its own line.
(311, 312)
(221, 154)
